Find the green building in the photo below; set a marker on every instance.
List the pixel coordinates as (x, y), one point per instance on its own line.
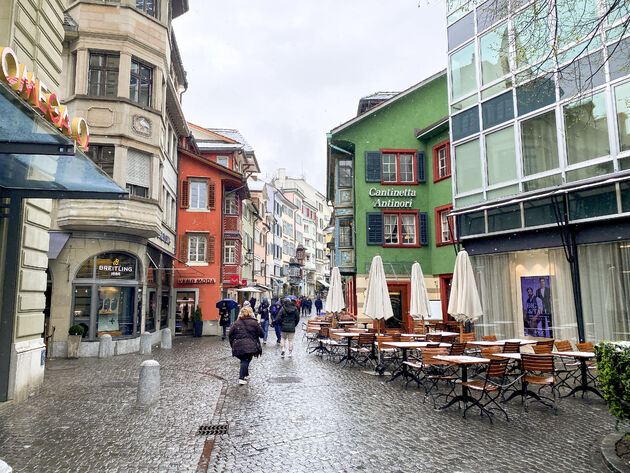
(389, 177)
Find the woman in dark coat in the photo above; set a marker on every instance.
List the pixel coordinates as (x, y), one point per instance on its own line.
(244, 340)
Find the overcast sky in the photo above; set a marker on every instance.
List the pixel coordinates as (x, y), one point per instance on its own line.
(285, 72)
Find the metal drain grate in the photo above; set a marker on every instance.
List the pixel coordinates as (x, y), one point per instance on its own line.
(213, 429)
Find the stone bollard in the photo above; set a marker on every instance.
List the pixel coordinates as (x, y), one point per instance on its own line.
(106, 346)
(149, 383)
(145, 343)
(167, 341)
(4, 468)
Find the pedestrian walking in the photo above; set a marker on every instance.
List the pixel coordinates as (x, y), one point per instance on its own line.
(224, 318)
(318, 305)
(263, 317)
(303, 305)
(244, 340)
(289, 317)
(252, 303)
(309, 307)
(273, 312)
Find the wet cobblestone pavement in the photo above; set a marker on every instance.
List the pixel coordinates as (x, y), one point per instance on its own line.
(297, 414)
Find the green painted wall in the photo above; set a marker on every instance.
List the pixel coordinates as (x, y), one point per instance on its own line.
(394, 127)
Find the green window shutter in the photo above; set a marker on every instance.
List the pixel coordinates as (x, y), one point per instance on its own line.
(374, 228)
(373, 166)
(423, 220)
(421, 167)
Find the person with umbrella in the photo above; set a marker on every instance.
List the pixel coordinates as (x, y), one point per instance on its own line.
(263, 312)
(224, 318)
(244, 340)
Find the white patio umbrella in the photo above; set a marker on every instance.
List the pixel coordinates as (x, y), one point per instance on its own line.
(419, 305)
(334, 300)
(377, 303)
(464, 304)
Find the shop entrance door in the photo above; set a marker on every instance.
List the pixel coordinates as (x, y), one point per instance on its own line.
(399, 297)
(186, 304)
(445, 294)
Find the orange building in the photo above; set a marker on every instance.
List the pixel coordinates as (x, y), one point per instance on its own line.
(209, 239)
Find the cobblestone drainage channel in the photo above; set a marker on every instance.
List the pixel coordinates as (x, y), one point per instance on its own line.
(213, 429)
(285, 380)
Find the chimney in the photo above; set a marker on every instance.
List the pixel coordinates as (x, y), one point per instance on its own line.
(282, 174)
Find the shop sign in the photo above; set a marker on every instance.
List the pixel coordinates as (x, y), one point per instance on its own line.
(114, 268)
(197, 281)
(165, 238)
(395, 198)
(35, 92)
(234, 279)
(244, 282)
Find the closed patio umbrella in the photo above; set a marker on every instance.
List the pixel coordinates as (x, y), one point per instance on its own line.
(419, 305)
(377, 303)
(334, 300)
(464, 304)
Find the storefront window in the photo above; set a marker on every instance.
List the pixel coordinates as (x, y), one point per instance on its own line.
(149, 323)
(586, 129)
(540, 145)
(105, 295)
(622, 97)
(495, 51)
(468, 166)
(164, 308)
(463, 74)
(501, 156)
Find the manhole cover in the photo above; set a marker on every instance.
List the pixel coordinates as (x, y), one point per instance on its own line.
(213, 429)
(120, 384)
(285, 379)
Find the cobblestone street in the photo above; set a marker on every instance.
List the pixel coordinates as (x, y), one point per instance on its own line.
(298, 414)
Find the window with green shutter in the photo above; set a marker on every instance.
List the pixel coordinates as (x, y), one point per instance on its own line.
(374, 232)
(373, 166)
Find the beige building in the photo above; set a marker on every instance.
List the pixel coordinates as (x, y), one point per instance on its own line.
(112, 272)
(47, 166)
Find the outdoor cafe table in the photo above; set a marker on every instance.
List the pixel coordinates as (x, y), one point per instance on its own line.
(404, 346)
(582, 357)
(463, 362)
(349, 336)
(499, 343)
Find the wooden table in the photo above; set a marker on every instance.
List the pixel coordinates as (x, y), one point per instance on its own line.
(463, 362)
(349, 336)
(404, 346)
(500, 343)
(583, 357)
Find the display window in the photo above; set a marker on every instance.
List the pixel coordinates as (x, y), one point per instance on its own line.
(106, 289)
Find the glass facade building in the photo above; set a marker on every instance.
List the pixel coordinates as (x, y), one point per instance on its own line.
(540, 146)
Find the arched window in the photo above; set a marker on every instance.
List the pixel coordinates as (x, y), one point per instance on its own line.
(106, 288)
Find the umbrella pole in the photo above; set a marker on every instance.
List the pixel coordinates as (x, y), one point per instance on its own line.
(461, 330)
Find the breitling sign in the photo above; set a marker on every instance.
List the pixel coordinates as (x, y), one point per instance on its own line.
(35, 92)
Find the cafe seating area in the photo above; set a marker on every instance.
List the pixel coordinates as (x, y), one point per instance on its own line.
(455, 370)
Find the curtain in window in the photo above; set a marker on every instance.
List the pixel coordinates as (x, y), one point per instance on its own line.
(564, 318)
(605, 284)
(138, 168)
(408, 229)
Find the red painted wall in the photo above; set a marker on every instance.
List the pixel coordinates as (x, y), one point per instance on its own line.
(202, 221)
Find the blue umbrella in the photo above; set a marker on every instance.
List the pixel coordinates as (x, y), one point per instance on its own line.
(291, 297)
(231, 304)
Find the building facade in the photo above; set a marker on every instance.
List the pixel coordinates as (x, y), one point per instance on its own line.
(113, 273)
(540, 146)
(389, 180)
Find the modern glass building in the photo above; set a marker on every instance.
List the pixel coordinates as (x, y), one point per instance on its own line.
(540, 143)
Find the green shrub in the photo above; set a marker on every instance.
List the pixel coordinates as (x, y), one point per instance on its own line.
(76, 330)
(197, 316)
(613, 372)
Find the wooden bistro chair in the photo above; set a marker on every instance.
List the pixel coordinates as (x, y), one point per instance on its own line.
(539, 371)
(591, 365)
(457, 349)
(434, 337)
(337, 346)
(566, 369)
(545, 343)
(489, 338)
(387, 355)
(490, 353)
(364, 349)
(490, 389)
(435, 371)
(541, 349)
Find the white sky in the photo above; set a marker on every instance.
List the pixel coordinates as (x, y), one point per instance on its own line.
(285, 72)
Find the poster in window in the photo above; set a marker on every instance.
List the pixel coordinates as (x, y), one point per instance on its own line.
(537, 310)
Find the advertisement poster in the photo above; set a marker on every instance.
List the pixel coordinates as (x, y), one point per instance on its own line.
(537, 310)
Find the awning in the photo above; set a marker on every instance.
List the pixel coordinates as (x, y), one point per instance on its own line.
(248, 289)
(37, 160)
(323, 283)
(57, 242)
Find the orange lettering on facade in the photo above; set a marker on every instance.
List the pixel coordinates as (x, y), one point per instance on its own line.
(41, 99)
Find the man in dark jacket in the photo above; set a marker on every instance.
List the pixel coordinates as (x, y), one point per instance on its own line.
(318, 305)
(289, 317)
(274, 311)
